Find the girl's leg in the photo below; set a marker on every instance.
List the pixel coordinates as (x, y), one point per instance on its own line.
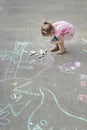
(62, 49)
(56, 48)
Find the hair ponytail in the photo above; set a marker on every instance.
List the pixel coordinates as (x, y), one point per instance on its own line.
(45, 22)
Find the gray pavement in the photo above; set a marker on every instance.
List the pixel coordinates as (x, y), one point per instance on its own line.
(48, 93)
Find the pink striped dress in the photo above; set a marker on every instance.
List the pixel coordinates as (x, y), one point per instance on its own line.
(64, 29)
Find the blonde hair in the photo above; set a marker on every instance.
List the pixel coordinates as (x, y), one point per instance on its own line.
(46, 28)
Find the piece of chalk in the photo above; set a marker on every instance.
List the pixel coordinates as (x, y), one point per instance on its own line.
(25, 51)
(32, 53)
(40, 56)
(14, 83)
(14, 96)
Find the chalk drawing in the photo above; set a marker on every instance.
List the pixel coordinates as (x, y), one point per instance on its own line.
(14, 83)
(85, 50)
(4, 55)
(83, 80)
(16, 61)
(28, 68)
(4, 117)
(70, 67)
(21, 94)
(42, 90)
(72, 129)
(40, 125)
(62, 129)
(16, 54)
(47, 62)
(84, 43)
(82, 98)
(18, 95)
(65, 112)
(32, 61)
(83, 83)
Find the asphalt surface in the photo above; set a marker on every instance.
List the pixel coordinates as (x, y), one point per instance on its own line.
(49, 92)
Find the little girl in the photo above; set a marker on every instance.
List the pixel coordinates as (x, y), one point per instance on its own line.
(59, 32)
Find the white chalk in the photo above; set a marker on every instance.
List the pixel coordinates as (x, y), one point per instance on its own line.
(42, 52)
(32, 53)
(15, 96)
(25, 51)
(14, 83)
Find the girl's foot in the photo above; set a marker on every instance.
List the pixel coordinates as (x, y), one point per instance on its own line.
(61, 51)
(54, 49)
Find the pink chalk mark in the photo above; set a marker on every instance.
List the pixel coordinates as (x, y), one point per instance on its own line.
(77, 64)
(83, 83)
(82, 98)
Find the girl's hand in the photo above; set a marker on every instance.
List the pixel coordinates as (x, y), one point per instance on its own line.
(51, 42)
